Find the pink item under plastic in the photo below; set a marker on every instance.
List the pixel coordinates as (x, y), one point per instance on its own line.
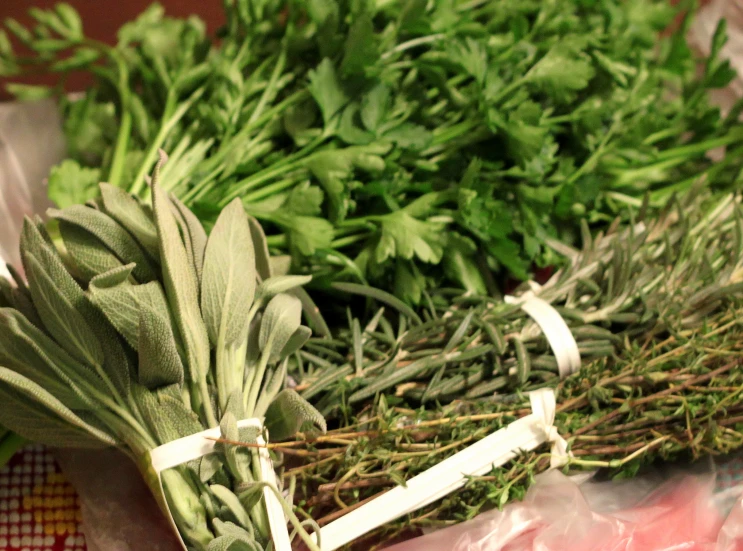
(555, 516)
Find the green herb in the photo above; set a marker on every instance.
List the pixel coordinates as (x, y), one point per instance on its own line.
(405, 144)
(633, 282)
(136, 329)
(663, 400)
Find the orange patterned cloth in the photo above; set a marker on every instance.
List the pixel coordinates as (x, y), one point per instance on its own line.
(39, 509)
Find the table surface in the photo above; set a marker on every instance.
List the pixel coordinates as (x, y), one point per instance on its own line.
(39, 509)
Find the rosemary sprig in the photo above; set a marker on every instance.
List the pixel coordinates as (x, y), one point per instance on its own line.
(634, 281)
(670, 399)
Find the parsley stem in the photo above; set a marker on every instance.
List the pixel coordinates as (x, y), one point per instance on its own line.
(272, 189)
(212, 164)
(350, 240)
(171, 117)
(270, 90)
(515, 85)
(282, 167)
(700, 147)
(415, 42)
(442, 135)
(279, 241)
(125, 124)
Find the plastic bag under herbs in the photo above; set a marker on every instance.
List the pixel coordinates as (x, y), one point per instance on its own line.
(700, 36)
(31, 142)
(557, 515)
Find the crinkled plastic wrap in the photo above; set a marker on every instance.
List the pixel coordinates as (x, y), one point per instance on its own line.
(31, 142)
(700, 36)
(556, 515)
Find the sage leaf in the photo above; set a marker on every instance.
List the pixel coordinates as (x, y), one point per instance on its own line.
(34, 242)
(167, 416)
(116, 366)
(114, 236)
(6, 293)
(280, 284)
(232, 543)
(251, 495)
(296, 341)
(235, 405)
(41, 396)
(30, 352)
(193, 232)
(208, 466)
(280, 321)
(231, 501)
(127, 211)
(222, 528)
(88, 253)
(260, 246)
(121, 302)
(159, 362)
(38, 424)
(62, 320)
(229, 278)
(181, 287)
(280, 265)
(238, 459)
(274, 382)
(19, 297)
(289, 413)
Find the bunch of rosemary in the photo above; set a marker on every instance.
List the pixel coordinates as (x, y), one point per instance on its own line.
(137, 329)
(678, 398)
(634, 281)
(401, 143)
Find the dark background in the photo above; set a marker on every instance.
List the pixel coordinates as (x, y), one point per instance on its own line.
(102, 18)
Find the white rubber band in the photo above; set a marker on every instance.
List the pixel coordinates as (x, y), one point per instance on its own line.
(525, 434)
(200, 444)
(555, 329)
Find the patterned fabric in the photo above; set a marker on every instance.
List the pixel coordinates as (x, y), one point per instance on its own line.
(729, 473)
(39, 509)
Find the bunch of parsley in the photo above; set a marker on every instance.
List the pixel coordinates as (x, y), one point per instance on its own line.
(403, 143)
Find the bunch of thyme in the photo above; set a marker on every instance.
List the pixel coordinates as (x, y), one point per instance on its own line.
(633, 281)
(676, 398)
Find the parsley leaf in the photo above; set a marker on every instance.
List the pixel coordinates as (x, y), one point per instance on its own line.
(326, 88)
(561, 73)
(406, 237)
(71, 184)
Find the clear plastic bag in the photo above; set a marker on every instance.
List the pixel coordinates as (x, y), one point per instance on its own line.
(557, 516)
(700, 36)
(31, 142)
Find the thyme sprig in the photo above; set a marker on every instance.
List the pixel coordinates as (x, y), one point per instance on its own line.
(675, 398)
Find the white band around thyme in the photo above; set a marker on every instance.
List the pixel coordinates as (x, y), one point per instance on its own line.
(451, 474)
(200, 444)
(555, 329)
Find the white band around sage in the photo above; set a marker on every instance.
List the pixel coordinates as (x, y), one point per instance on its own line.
(525, 434)
(200, 444)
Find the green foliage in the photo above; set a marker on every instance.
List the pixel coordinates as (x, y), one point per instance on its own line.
(512, 121)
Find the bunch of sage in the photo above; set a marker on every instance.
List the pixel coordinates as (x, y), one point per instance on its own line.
(632, 282)
(136, 329)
